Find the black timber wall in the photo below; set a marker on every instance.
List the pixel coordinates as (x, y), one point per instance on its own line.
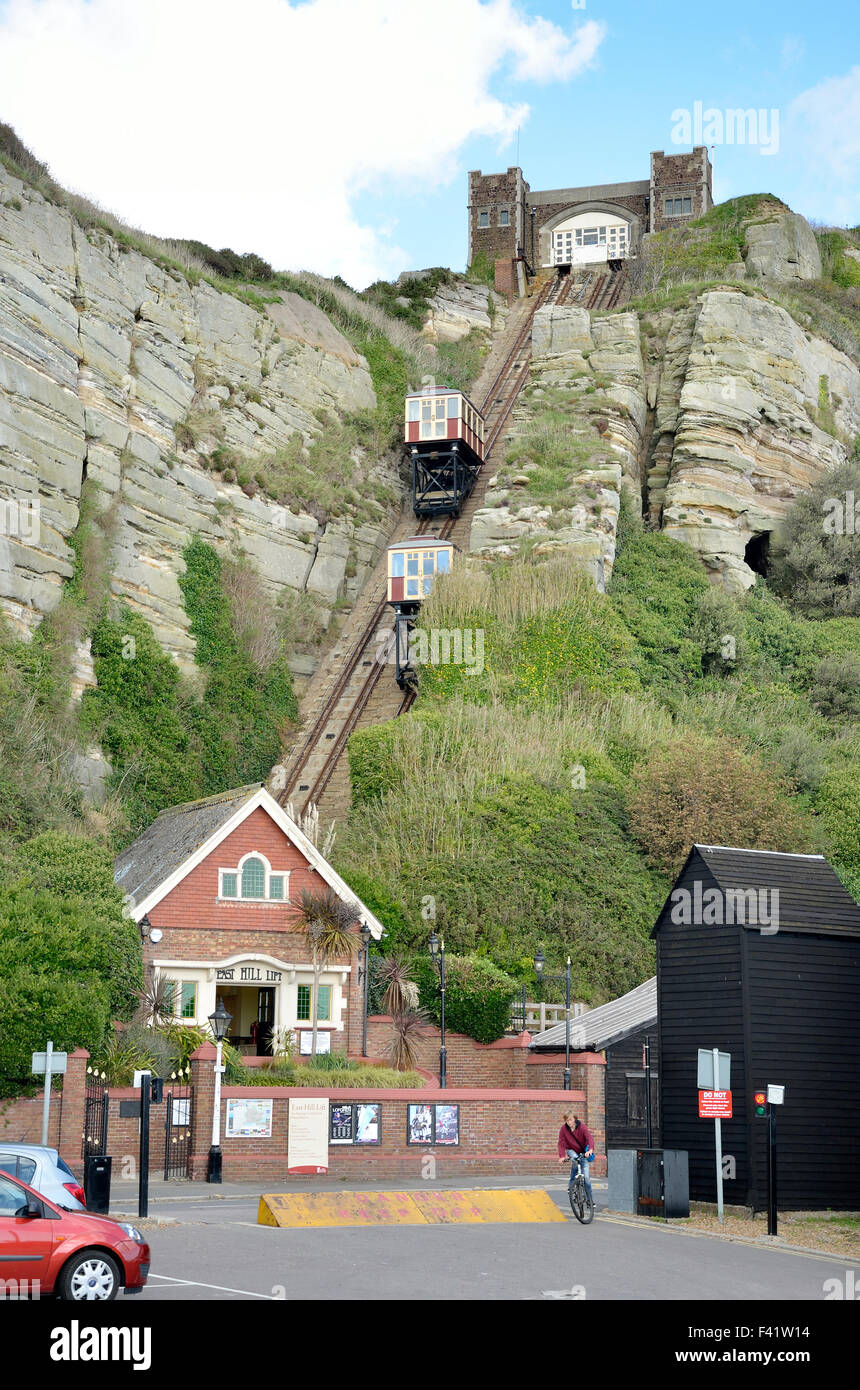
(804, 993)
(621, 1058)
(700, 1001)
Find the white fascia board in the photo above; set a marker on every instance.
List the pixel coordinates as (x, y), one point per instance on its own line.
(297, 837)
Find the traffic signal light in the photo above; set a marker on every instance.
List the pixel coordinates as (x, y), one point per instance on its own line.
(760, 1104)
(157, 1089)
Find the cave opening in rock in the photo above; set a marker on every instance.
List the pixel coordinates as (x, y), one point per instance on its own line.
(757, 553)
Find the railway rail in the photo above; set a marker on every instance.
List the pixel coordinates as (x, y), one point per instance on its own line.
(360, 673)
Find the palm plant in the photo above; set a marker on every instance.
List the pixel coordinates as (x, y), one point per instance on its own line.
(399, 993)
(406, 1028)
(329, 922)
(155, 1000)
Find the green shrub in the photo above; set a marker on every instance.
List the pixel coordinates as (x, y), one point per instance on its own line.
(477, 995)
(35, 1006)
(835, 689)
(838, 806)
(816, 562)
(708, 791)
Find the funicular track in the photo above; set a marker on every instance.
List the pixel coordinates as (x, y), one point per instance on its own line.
(348, 694)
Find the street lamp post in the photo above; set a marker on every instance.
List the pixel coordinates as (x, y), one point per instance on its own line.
(539, 963)
(437, 955)
(220, 1022)
(363, 975)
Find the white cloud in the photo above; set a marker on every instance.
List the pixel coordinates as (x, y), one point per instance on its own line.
(254, 124)
(824, 143)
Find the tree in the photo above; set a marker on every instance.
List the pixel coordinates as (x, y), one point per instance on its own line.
(816, 564)
(696, 790)
(329, 922)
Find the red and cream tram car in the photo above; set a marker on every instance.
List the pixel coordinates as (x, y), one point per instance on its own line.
(445, 435)
(413, 565)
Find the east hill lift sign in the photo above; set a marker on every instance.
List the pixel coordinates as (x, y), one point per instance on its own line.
(715, 1105)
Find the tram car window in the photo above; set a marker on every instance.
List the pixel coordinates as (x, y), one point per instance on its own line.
(445, 435)
(413, 565)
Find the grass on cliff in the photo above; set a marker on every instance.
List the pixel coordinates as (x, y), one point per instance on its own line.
(167, 741)
(467, 801)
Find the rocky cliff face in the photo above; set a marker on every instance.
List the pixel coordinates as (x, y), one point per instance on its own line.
(103, 355)
(718, 413)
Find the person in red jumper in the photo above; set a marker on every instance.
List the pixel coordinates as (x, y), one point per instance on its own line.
(575, 1143)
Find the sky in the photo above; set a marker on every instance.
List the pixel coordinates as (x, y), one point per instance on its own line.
(336, 135)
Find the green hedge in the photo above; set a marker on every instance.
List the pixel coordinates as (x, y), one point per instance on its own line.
(477, 995)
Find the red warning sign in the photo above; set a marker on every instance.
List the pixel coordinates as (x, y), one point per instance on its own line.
(715, 1105)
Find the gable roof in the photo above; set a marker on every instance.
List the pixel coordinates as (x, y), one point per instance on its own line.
(812, 899)
(608, 1023)
(181, 837)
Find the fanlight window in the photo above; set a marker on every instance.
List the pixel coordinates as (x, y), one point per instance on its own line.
(254, 881)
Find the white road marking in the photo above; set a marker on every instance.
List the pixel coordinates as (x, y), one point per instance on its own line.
(195, 1283)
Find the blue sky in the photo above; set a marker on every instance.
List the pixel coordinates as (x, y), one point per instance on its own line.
(336, 134)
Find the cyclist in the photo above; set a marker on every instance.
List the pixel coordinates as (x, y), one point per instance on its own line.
(575, 1143)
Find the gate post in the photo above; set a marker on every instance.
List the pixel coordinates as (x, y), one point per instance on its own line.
(70, 1130)
(202, 1104)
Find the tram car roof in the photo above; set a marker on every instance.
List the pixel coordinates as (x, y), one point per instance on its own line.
(427, 540)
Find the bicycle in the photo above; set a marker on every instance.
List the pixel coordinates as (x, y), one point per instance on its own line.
(581, 1200)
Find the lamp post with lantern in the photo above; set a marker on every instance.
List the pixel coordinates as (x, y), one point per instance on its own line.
(539, 964)
(437, 955)
(219, 1022)
(364, 975)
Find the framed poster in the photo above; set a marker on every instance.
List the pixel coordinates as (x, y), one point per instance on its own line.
(447, 1124)
(368, 1125)
(248, 1119)
(433, 1124)
(341, 1124)
(307, 1139)
(355, 1124)
(419, 1124)
(306, 1038)
(180, 1111)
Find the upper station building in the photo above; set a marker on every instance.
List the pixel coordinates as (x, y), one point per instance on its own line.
(575, 226)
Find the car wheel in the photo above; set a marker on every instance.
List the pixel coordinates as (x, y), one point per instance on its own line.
(89, 1276)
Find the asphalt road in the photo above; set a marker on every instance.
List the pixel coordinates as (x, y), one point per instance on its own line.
(219, 1252)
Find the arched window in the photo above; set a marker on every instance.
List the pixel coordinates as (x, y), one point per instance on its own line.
(253, 879)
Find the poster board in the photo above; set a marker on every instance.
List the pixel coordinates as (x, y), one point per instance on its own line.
(433, 1124)
(306, 1038)
(307, 1141)
(355, 1123)
(247, 1119)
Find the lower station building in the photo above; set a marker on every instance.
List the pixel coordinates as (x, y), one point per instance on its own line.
(574, 226)
(215, 887)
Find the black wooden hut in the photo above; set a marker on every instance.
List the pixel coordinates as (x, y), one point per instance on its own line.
(759, 954)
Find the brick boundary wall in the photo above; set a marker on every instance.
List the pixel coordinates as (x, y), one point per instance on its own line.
(503, 1130)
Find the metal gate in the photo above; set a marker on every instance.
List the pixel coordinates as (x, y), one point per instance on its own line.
(94, 1138)
(178, 1114)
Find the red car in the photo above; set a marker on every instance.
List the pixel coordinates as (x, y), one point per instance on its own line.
(47, 1250)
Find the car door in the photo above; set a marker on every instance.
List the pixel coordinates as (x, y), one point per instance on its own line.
(26, 1242)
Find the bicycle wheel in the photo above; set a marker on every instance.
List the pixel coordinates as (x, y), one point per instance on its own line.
(581, 1201)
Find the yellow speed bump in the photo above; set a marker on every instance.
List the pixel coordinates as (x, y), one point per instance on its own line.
(425, 1208)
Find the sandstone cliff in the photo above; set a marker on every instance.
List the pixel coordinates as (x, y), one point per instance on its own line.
(717, 412)
(107, 360)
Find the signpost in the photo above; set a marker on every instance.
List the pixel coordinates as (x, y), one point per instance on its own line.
(715, 1100)
(51, 1064)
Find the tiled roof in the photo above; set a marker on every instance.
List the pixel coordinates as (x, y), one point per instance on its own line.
(608, 1023)
(172, 838)
(811, 897)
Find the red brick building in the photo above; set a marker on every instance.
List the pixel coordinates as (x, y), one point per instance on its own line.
(215, 887)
